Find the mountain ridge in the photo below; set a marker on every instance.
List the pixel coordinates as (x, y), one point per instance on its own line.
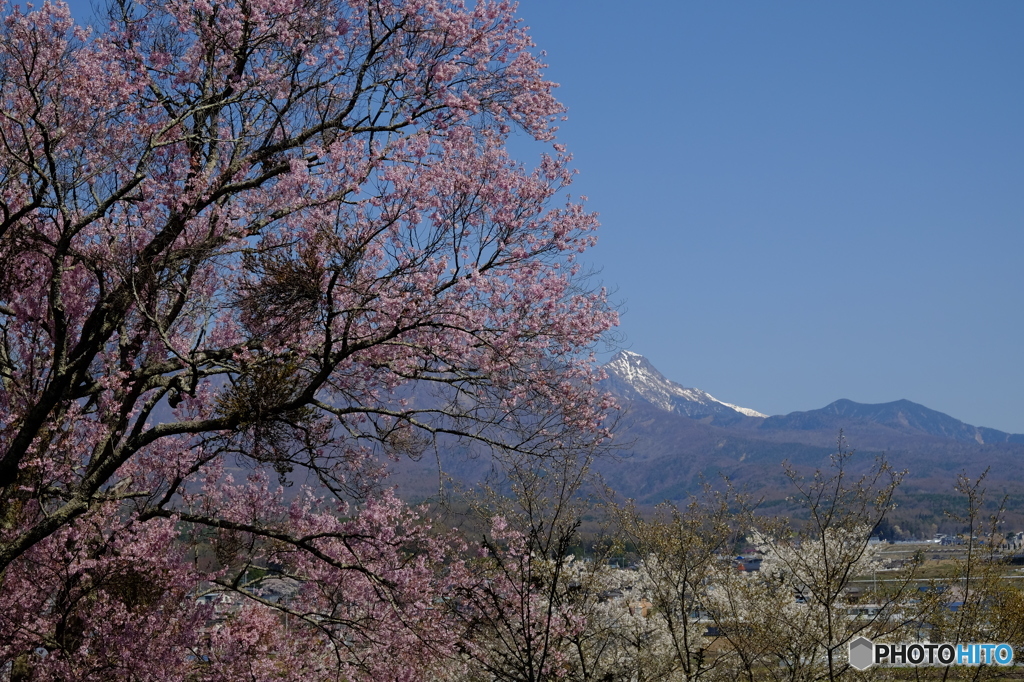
(633, 378)
(902, 415)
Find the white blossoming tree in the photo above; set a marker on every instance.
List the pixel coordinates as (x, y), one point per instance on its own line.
(794, 619)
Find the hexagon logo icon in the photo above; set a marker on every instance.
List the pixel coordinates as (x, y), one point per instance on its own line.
(861, 653)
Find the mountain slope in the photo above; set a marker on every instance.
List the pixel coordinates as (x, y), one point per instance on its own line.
(632, 377)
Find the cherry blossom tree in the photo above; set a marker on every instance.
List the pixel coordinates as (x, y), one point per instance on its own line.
(255, 239)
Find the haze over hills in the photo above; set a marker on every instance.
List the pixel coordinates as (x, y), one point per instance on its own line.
(671, 439)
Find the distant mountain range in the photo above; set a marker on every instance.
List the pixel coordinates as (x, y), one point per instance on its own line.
(632, 378)
(672, 437)
(902, 415)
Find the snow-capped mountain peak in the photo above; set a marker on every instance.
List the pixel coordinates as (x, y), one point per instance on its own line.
(633, 376)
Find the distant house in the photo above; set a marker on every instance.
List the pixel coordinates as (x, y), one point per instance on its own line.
(642, 608)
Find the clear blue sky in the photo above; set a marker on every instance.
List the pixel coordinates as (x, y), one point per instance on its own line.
(806, 201)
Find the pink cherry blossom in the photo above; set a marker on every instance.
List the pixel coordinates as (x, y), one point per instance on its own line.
(236, 238)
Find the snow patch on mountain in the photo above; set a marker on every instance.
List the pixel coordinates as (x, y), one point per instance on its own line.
(636, 374)
(743, 410)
